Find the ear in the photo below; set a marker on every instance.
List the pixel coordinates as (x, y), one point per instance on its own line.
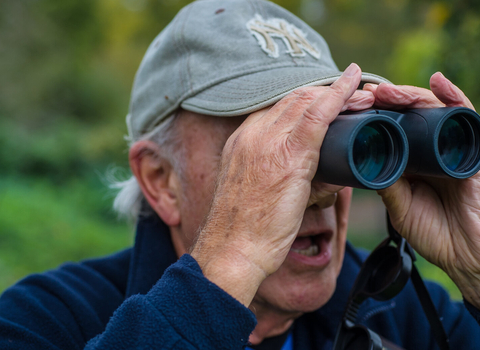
(157, 179)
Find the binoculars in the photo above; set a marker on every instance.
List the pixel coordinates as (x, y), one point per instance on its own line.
(371, 149)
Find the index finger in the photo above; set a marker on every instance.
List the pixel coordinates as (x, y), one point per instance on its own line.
(395, 97)
(448, 92)
(313, 125)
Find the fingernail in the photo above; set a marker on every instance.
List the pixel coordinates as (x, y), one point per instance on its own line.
(364, 93)
(351, 70)
(443, 75)
(370, 86)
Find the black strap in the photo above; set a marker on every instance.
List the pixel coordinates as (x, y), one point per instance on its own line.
(430, 311)
(360, 292)
(425, 300)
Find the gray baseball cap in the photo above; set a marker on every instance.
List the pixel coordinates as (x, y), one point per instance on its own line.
(228, 58)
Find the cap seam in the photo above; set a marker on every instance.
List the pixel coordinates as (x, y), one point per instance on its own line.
(161, 117)
(177, 42)
(300, 84)
(249, 71)
(186, 50)
(315, 82)
(325, 80)
(253, 5)
(182, 99)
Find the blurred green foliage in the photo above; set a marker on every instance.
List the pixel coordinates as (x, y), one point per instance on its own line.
(66, 69)
(43, 225)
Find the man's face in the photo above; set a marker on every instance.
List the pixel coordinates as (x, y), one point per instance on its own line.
(307, 278)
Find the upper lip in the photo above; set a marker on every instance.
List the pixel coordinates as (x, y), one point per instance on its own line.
(313, 225)
(326, 232)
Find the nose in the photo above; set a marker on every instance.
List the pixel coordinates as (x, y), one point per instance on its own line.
(323, 195)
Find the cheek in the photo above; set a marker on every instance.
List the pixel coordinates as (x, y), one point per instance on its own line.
(197, 195)
(201, 184)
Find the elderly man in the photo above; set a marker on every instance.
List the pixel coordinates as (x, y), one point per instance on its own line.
(237, 244)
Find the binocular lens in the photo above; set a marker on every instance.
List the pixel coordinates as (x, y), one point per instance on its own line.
(454, 142)
(363, 150)
(373, 148)
(370, 151)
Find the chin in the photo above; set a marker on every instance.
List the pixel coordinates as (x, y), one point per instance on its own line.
(295, 293)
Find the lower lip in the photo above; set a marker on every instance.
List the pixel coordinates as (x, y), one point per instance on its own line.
(319, 260)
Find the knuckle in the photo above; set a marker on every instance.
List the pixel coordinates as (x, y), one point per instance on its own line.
(308, 93)
(243, 141)
(338, 91)
(234, 141)
(316, 115)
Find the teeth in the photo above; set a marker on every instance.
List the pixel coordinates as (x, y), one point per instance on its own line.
(310, 251)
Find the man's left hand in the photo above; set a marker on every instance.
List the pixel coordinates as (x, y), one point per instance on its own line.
(440, 218)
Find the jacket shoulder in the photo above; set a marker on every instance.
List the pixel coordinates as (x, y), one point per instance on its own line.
(66, 306)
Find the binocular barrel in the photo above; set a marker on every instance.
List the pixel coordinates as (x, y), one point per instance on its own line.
(371, 149)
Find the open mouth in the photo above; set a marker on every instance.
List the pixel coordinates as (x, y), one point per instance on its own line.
(311, 245)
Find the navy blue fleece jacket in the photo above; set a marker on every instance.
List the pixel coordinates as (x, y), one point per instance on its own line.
(143, 298)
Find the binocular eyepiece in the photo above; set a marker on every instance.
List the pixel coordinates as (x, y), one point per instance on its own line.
(371, 149)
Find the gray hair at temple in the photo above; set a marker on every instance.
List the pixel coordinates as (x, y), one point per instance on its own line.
(130, 202)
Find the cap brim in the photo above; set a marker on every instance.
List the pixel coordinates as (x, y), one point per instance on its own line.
(251, 92)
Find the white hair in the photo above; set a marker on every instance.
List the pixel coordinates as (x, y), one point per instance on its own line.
(130, 202)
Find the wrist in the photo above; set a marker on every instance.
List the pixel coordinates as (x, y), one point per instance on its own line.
(469, 286)
(230, 269)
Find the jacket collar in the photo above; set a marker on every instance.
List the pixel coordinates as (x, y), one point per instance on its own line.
(154, 253)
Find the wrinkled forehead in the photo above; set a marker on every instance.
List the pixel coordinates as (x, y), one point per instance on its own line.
(196, 127)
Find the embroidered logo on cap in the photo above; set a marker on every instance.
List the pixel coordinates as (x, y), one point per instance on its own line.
(294, 39)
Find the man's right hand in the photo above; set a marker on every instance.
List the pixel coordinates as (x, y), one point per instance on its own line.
(265, 185)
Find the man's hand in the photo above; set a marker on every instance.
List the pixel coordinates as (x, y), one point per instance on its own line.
(439, 217)
(264, 185)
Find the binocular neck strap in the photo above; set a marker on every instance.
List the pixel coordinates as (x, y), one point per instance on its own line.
(423, 296)
(427, 305)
